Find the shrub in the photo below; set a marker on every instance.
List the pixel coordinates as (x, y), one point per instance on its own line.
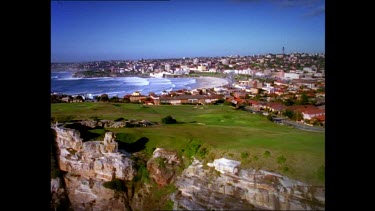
(95, 118)
(142, 174)
(228, 103)
(255, 158)
(244, 155)
(285, 169)
(193, 148)
(202, 152)
(168, 120)
(267, 154)
(119, 119)
(160, 162)
(281, 159)
(169, 205)
(115, 184)
(219, 101)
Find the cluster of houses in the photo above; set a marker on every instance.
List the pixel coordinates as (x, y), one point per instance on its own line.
(265, 98)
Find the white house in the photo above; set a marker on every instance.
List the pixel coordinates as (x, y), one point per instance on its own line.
(292, 76)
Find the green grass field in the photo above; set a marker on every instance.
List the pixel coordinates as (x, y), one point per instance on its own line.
(224, 131)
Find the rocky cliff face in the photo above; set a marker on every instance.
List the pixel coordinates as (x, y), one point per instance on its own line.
(90, 164)
(89, 194)
(221, 184)
(92, 159)
(225, 186)
(162, 166)
(58, 194)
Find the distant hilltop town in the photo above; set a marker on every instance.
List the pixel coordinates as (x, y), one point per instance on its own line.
(278, 66)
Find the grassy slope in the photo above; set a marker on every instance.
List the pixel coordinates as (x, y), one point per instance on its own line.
(225, 131)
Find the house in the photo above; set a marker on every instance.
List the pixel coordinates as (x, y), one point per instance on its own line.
(189, 99)
(78, 99)
(67, 99)
(154, 98)
(275, 107)
(313, 112)
(320, 118)
(137, 98)
(258, 104)
(239, 94)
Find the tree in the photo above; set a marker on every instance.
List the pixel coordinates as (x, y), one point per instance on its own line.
(297, 116)
(79, 97)
(288, 113)
(168, 120)
(304, 100)
(288, 102)
(104, 98)
(114, 99)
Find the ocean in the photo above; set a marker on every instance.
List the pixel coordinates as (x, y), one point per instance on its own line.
(64, 83)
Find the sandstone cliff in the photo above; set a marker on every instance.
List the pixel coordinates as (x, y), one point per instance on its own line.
(90, 164)
(221, 184)
(92, 159)
(162, 166)
(225, 186)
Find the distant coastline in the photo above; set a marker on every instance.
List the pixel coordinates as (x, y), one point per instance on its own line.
(63, 83)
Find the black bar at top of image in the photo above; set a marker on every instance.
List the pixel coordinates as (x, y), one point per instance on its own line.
(107, 0)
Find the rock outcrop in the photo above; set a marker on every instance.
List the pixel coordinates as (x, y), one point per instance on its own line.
(92, 159)
(90, 194)
(116, 124)
(162, 166)
(90, 164)
(221, 184)
(224, 186)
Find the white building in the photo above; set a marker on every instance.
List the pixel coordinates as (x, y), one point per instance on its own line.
(167, 67)
(195, 61)
(292, 76)
(225, 61)
(202, 68)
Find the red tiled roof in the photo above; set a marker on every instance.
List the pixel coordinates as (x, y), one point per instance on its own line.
(254, 102)
(313, 111)
(301, 108)
(320, 118)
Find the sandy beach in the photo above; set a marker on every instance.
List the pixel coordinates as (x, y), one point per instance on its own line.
(210, 82)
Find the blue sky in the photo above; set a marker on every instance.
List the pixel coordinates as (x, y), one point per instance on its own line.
(99, 30)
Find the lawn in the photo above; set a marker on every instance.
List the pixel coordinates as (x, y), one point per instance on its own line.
(222, 130)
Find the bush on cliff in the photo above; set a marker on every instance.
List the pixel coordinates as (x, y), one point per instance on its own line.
(142, 174)
(115, 184)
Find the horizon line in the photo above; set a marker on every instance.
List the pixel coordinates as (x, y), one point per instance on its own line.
(181, 57)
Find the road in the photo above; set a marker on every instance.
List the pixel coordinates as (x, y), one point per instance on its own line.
(290, 123)
(303, 126)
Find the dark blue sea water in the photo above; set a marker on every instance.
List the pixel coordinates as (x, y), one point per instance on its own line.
(63, 82)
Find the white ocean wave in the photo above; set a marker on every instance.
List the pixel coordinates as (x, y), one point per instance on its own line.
(68, 79)
(136, 81)
(123, 85)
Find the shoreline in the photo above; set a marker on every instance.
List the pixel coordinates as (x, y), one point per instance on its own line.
(201, 82)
